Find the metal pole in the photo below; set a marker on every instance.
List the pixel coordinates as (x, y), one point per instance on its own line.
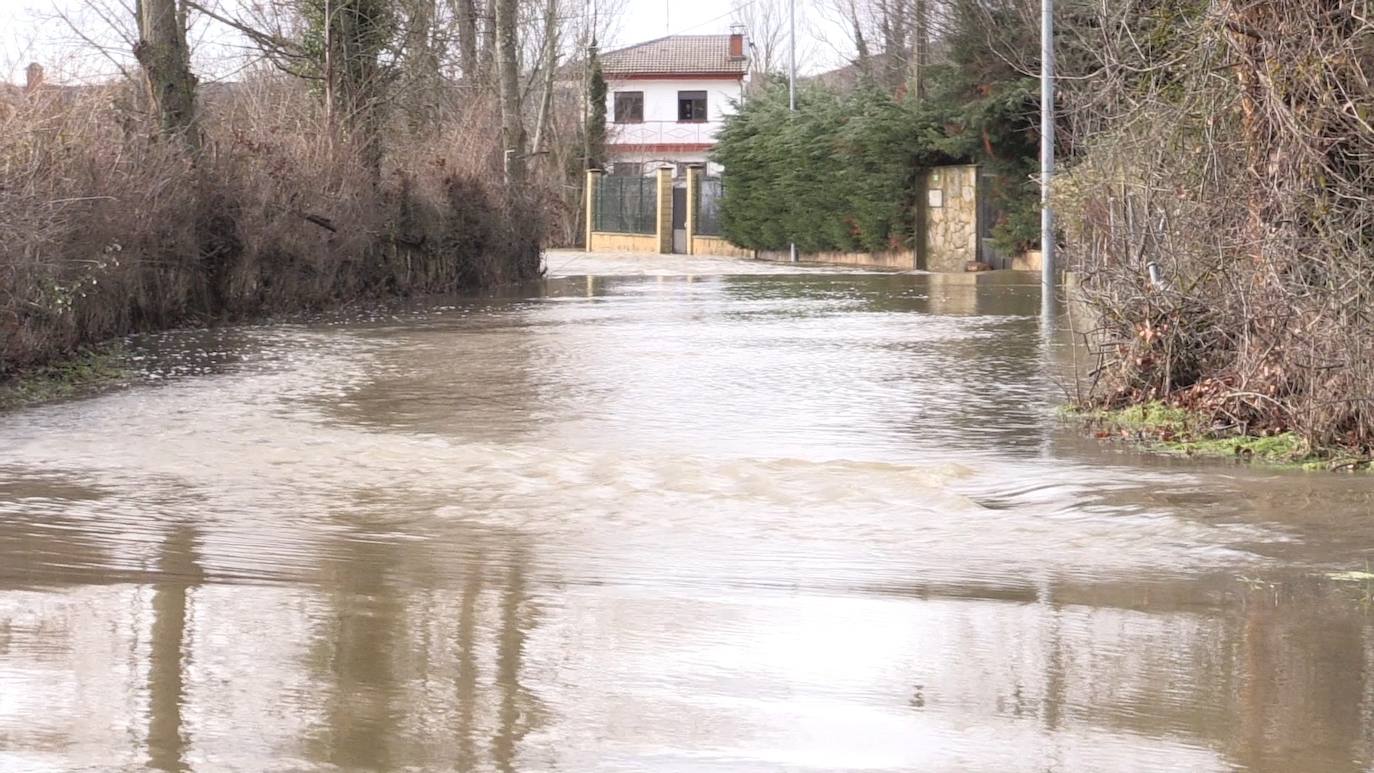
(792, 56)
(1046, 161)
(792, 79)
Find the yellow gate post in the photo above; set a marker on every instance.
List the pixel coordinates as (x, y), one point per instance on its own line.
(693, 191)
(589, 197)
(665, 210)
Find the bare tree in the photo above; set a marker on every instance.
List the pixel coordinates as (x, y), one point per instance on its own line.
(1218, 212)
(765, 24)
(919, 55)
(162, 52)
(891, 40)
(420, 61)
(508, 83)
(466, 18)
(550, 65)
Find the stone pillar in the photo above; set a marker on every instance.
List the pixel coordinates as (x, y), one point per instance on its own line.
(951, 239)
(589, 199)
(665, 210)
(693, 191)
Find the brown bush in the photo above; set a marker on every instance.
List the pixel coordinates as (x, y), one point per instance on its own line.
(1227, 146)
(105, 230)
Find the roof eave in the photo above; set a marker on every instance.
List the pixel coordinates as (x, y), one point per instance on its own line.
(713, 74)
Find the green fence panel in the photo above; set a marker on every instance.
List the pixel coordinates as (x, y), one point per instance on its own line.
(708, 206)
(627, 205)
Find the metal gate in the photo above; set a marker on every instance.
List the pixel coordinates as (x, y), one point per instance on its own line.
(680, 219)
(987, 218)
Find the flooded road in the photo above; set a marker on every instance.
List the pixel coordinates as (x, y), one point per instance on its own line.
(687, 516)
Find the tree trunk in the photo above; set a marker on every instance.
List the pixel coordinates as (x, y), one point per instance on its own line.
(466, 11)
(508, 82)
(162, 53)
(920, 48)
(550, 70)
(862, 56)
(892, 47)
(353, 44)
(422, 62)
(485, 55)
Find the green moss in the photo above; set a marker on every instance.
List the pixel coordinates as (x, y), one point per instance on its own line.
(1170, 430)
(86, 371)
(1155, 417)
(1284, 448)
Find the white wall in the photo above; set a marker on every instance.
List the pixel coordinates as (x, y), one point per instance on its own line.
(660, 124)
(660, 96)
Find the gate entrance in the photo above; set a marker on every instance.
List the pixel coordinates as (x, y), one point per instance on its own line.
(680, 219)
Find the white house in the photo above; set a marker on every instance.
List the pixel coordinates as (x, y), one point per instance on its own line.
(666, 99)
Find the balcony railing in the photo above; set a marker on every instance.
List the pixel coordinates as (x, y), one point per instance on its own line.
(664, 133)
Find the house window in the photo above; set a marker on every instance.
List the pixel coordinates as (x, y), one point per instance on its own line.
(629, 107)
(691, 106)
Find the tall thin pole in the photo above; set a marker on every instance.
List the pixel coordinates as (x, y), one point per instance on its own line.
(792, 79)
(792, 55)
(1046, 160)
(587, 87)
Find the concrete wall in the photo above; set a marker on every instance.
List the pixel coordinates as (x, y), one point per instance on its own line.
(716, 245)
(950, 218)
(601, 241)
(897, 261)
(1030, 260)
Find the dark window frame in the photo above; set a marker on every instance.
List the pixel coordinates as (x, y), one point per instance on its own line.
(692, 107)
(632, 98)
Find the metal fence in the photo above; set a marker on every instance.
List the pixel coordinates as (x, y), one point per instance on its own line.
(708, 206)
(627, 205)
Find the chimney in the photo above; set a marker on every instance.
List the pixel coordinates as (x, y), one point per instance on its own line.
(33, 77)
(736, 42)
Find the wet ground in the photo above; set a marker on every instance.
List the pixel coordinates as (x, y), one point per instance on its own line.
(678, 515)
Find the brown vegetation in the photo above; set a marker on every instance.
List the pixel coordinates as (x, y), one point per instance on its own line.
(1219, 212)
(106, 229)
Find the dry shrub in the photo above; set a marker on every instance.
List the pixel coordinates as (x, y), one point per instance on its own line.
(1227, 146)
(105, 229)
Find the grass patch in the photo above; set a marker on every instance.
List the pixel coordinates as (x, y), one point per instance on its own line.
(1166, 429)
(85, 372)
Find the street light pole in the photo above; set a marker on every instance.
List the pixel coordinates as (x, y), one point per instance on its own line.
(1046, 160)
(792, 79)
(792, 56)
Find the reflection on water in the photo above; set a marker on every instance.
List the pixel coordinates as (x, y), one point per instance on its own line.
(792, 520)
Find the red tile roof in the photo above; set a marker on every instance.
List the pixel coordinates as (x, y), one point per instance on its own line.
(675, 55)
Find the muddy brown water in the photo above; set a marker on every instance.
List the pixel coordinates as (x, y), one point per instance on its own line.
(680, 516)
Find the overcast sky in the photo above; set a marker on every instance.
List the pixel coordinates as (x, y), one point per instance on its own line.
(34, 30)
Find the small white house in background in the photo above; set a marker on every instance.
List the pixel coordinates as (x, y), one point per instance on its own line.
(666, 100)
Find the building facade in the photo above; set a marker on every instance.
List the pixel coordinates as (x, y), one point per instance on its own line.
(667, 99)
